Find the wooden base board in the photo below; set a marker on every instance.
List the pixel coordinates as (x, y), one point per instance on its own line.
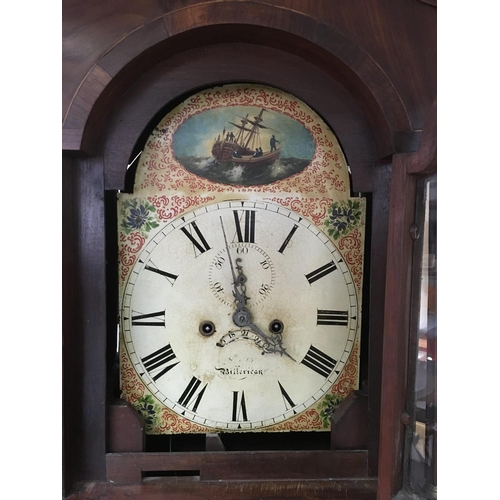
(179, 489)
(224, 466)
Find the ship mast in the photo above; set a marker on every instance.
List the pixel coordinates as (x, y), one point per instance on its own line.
(239, 138)
(255, 129)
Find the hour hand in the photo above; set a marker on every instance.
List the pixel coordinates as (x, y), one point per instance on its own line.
(239, 298)
(273, 343)
(239, 287)
(239, 280)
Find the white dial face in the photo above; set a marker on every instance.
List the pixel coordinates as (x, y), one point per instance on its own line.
(239, 315)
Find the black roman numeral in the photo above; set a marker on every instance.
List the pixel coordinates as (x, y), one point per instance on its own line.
(288, 238)
(332, 317)
(321, 272)
(159, 358)
(247, 233)
(170, 277)
(286, 398)
(188, 394)
(239, 407)
(319, 362)
(138, 320)
(198, 240)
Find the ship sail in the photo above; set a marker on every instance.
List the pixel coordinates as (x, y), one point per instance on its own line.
(244, 146)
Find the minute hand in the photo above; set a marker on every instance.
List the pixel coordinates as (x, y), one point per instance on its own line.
(241, 300)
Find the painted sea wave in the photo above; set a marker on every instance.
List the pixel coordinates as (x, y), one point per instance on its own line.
(233, 174)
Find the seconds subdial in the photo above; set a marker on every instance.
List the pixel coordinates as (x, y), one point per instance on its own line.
(259, 270)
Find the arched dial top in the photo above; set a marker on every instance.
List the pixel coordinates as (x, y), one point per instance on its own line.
(239, 315)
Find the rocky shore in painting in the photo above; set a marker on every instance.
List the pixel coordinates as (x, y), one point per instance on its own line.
(238, 175)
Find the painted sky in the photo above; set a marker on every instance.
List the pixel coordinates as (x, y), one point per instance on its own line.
(196, 135)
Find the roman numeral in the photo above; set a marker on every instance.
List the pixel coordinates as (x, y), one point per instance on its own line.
(319, 362)
(198, 240)
(239, 407)
(170, 277)
(332, 317)
(187, 396)
(247, 233)
(321, 272)
(159, 358)
(138, 320)
(289, 404)
(288, 238)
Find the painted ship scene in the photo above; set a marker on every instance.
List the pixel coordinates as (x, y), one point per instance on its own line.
(243, 145)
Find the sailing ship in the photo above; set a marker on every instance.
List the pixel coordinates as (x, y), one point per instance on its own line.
(244, 147)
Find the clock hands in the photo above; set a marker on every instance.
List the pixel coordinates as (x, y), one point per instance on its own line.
(239, 280)
(242, 316)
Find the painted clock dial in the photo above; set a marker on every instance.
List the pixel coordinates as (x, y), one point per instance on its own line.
(240, 268)
(186, 341)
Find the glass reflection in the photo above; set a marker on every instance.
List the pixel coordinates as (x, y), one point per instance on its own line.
(420, 473)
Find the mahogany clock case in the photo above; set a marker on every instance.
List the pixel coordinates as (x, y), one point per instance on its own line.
(95, 169)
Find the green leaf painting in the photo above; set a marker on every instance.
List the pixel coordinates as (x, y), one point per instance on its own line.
(138, 215)
(148, 410)
(343, 217)
(327, 408)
